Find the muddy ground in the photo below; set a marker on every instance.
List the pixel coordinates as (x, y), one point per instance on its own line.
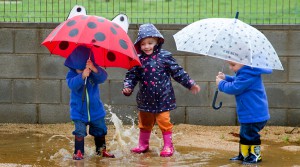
(212, 137)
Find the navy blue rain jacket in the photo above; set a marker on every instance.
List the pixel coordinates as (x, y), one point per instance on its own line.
(156, 93)
(250, 94)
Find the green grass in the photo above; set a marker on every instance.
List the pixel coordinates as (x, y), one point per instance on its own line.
(155, 11)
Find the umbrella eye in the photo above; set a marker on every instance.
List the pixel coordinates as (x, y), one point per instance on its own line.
(63, 45)
(111, 56)
(78, 10)
(121, 18)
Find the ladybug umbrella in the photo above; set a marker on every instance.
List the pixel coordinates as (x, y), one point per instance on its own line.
(109, 43)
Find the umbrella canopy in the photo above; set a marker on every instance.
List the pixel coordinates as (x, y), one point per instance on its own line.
(110, 44)
(228, 39)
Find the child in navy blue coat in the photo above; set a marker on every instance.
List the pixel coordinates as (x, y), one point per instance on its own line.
(251, 106)
(156, 96)
(88, 109)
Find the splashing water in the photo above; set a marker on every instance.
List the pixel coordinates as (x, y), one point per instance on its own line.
(125, 139)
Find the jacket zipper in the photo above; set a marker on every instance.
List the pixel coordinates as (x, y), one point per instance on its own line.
(88, 105)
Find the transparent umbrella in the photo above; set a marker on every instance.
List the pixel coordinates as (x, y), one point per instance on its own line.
(228, 39)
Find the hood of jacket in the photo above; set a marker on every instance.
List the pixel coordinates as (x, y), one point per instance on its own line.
(77, 59)
(254, 70)
(145, 31)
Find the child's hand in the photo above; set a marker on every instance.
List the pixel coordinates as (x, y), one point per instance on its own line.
(127, 91)
(195, 89)
(221, 75)
(90, 65)
(86, 72)
(218, 79)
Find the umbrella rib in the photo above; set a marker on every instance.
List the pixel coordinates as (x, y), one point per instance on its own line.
(225, 25)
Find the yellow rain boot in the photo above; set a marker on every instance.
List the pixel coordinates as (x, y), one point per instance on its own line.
(243, 153)
(254, 156)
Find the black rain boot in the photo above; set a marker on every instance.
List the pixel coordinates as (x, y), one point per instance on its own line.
(79, 148)
(101, 147)
(243, 153)
(254, 156)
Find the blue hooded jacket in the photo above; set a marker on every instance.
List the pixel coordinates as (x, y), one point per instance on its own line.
(156, 92)
(92, 107)
(250, 94)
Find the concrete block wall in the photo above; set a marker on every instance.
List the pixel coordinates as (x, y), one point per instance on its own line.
(33, 88)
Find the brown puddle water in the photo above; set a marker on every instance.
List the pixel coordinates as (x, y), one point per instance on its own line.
(56, 150)
(33, 150)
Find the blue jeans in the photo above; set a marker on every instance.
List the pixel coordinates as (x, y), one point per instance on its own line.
(249, 133)
(97, 128)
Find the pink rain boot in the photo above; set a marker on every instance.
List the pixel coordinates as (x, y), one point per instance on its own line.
(143, 142)
(168, 149)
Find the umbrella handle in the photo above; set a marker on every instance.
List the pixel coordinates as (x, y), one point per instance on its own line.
(84, 92)
(214, 101)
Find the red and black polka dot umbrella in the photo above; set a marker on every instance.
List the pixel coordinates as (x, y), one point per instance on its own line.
(110, 44)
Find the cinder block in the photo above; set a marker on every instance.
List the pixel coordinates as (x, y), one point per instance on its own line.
(208, 116)
(293, 117)
(204, 68)
(283, 95)
(18, 66)
(116, 73)
(293, 70)
(178, 116)
(104, 92)
(117, 98)
(28, 41)
(36, 91)
(6, 41)
(5, 90)
(169, 43)
(54, 113)
(52, 67)
(289, 41)
(24, 91)
(65, 92)
(48, 91)
(279, 75)
(278, 117)
(18, 113)
(185, 98)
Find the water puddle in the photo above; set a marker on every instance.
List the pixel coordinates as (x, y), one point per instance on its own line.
(36, 149)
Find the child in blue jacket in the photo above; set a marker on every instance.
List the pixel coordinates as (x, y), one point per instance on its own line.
(86, 109)
(251, 106)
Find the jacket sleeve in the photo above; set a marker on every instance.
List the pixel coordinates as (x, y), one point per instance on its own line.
(74, 80)
(237, 86)
(101, 76)
(229, 78)
(178, 73)
(132, 78)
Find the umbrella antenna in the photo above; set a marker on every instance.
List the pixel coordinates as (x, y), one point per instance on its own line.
(237, 15)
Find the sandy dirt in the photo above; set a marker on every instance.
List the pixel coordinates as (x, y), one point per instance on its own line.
(211, 137)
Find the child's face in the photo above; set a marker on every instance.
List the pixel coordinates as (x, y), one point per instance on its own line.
(234, 66)
(148, 44)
